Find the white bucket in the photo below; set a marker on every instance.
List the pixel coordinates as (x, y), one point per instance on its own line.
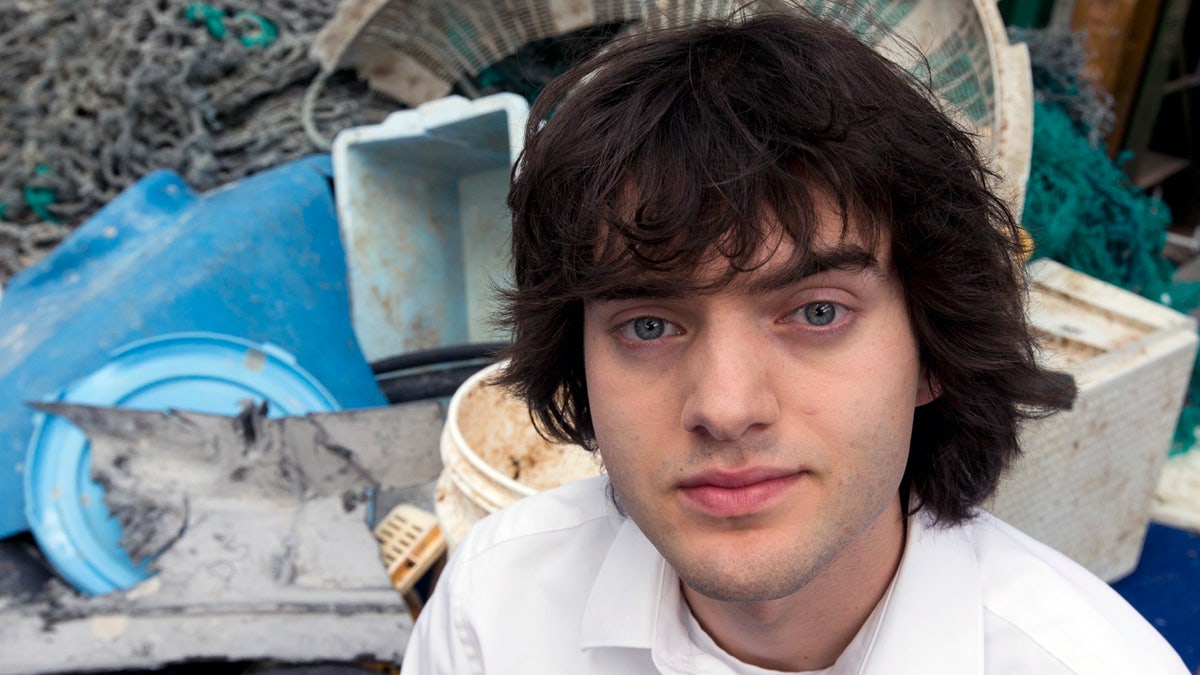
(494, 456)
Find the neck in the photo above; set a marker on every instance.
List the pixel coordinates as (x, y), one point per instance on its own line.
(809, 629)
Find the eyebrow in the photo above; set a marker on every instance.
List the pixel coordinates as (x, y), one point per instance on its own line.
(843, 257)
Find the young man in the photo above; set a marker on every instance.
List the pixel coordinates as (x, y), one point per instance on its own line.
(763, 276)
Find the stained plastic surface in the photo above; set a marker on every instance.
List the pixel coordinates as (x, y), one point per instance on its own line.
(421, 204)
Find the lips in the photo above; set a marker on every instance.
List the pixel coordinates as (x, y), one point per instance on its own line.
(726, 494)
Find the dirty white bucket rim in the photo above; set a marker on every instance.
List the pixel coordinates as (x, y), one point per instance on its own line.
(452, 427)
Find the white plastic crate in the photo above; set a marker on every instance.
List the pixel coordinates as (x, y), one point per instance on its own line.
(1086, 480)
(420, 201)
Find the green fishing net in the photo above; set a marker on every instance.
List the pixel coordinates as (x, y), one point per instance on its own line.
(1082, 210)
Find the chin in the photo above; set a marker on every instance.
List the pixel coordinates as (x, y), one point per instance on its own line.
(744, 582)
(753, 591)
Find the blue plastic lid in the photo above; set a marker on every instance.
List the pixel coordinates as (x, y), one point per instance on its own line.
(201, 372)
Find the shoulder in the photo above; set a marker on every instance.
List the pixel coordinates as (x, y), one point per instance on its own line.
(524, 571)
(543, 519)
(561, 535)
(1040, 605)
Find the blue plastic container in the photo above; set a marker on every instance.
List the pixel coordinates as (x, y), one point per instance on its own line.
(259, 259)
(202, 372)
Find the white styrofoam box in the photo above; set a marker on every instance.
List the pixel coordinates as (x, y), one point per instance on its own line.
(1086, 479)
(420, 201)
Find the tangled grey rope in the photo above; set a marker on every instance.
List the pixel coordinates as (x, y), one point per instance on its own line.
(95, 95)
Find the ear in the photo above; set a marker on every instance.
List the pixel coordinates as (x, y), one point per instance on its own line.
(927, 390)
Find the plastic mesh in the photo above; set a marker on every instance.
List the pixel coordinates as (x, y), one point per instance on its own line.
(457, 41)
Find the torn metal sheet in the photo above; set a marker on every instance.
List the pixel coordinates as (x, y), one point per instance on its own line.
(261, 532)
(247, 580)
(129, 640)
(152, 464)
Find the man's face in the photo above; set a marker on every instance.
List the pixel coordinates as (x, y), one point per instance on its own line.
(755, 433)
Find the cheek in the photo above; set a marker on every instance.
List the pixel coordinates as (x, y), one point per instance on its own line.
(631, 424)
(867, 410)
(600, 386)
(622, 427)
(627, 402)
(889, 380)
(609, 421)
(884, 445)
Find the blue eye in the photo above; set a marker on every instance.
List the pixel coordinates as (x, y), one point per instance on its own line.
(820, 313)
(648, 327)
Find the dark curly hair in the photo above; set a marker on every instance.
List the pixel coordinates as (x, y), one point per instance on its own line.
(672, 146)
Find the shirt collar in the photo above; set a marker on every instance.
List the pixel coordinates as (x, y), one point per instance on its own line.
(632, 587)
(933, 622)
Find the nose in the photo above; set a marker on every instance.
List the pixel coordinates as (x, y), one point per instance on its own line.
(730, 390)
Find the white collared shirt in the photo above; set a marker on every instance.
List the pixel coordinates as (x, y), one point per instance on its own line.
(562, 583)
